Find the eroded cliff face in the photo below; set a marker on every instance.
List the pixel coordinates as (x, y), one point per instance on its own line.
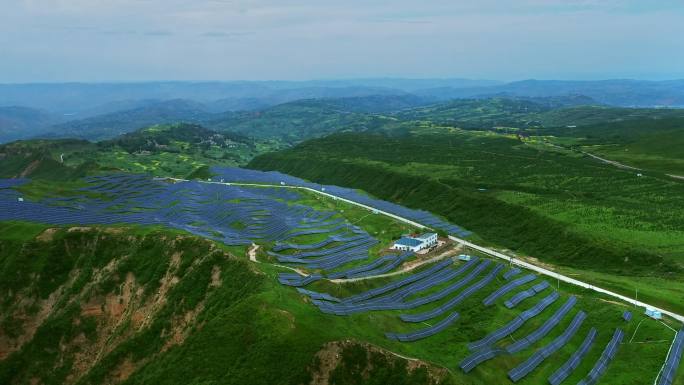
(81, 300)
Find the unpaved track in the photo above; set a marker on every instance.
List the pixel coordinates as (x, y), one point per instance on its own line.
(405, 268)
(252, 252)
(611, 162)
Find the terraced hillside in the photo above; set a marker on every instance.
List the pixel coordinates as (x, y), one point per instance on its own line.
(141, 304)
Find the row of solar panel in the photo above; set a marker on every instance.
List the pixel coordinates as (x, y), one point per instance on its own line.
(503, 290)
(515, 324)
(606, 357)
(667, 376)
(395, 300)
(472, 361)
(523, 295)
(421, 317)
(511, 273)
(522, 370)
(543, 330)
(423, 333)
(206, 210)
(575, 359)
(271, 177)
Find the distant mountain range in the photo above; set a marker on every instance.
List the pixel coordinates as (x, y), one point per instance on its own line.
(293, 111)
(84, 98)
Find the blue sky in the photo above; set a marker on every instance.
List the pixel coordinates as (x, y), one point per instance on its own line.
(137, 40)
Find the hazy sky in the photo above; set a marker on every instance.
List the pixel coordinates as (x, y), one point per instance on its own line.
(117, 40)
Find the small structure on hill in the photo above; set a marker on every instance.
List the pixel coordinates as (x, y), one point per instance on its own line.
(653, 313)
(415, 243)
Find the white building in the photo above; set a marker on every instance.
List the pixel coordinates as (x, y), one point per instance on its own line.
(415, 244)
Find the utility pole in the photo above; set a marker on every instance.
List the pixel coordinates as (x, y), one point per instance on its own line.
(636, 295)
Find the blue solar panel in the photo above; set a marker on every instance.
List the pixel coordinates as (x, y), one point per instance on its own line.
(511, 273)
(543, 330)
(207, 210)
(394, 301)
(606, 357)
(573, 362)
(272, 177)
(424, 333)
(627, 316)
(446, 307)
(667, 376)
(540, 355)
(470, 362)
(515, 324)
(519, 297)
(506, 288)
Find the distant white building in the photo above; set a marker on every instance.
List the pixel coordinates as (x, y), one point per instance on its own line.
(653, 313)
(415, 244)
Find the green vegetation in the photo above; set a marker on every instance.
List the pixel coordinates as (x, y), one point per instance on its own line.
(300, 120)
(529, 113)
(175, 150)
(148, 306)
(558, 206)
(649, 144)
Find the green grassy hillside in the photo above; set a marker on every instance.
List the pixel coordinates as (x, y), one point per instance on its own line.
(165, 150)
(151, 306)
(653, 144)
(557, 206)
(117, 305)
(296, 121)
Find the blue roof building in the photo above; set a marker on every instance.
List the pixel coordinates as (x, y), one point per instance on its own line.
(406, 241)
(420, 242)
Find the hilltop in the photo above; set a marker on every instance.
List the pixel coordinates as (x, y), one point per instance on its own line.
(167, 150)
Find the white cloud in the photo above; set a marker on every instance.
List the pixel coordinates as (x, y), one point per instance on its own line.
(231, 39)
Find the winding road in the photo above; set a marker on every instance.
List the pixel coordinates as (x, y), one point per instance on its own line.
(463, 242)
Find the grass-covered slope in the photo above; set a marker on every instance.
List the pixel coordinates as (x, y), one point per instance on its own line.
(296, 121)
(653, 144)
(136, 306)
(608, 224)
(165, 150)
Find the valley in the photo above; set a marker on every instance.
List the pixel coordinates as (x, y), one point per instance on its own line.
(152, 219)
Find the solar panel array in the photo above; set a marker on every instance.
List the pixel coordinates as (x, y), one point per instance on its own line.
(573, 362)
(239, 215)
(667, 376)
(229, 174)
(472, 361)
(606, 357)
(395, 301)
(511, 273)
(543, 330)
(523, 295)
(423, 333)
(627, 316)
(522, 370)
(203, 209)
(503, 290)
(293, 279)
(234, 215)
(441, 265)
(421, 317)
(515, 324)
